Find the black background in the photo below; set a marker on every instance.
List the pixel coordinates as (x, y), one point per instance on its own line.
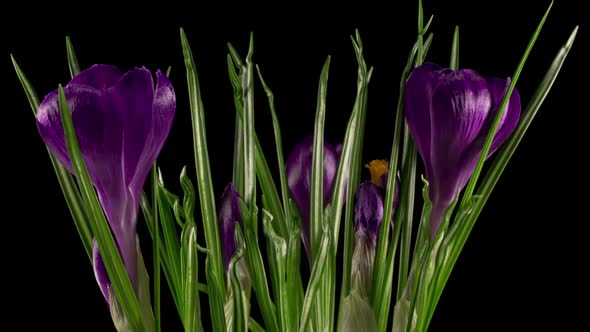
(523, 265)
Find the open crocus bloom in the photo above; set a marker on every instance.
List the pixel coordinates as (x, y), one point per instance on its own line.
(121, 121)
(450, 113)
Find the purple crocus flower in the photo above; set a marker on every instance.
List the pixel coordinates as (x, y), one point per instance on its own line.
(449, 113)
(299, 179)
(229, 214)
(368, 207)
(121, 121)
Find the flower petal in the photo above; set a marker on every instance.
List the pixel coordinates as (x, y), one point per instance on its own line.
(100, 271)
(132, 99)
(100, 144)
(417, 107)
(461, 104)
(510, 118)
(299, 179)
(162, 113)
(99, 77)
(368, 210)
(497, 88)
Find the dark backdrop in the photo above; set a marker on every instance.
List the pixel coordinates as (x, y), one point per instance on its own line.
(522, 266)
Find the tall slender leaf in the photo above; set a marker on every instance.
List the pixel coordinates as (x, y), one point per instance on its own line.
(205, 185)
(467, 195)
(66, 180)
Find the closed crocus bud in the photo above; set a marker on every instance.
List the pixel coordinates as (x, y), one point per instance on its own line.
(299, 180)
(229, 214)
(368, 216)
(121, 121)
(449, 113)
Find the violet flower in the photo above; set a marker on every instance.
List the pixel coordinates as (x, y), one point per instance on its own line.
(299, 180)
(229, 214)
(449, 113)
(121, 121)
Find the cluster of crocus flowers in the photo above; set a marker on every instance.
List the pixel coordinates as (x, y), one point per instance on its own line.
(450, 113)
(121, 121)
(299, 180)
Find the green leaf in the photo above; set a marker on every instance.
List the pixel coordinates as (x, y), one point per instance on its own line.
(350, 167)
(293, 274)
(464, 223)
(279, 148)
(427, 44)
(254, 326)
(247, 77)
(238, 163)
(317, 162)
(263, 174)
(170, 234)
(215, 292)
(143, 292)
(455, 50)
(156, 248)
(383, 271)
(66, 180)
(191, 315)
(406, 208)
(122, 286)
(72, 59)
(468, 194)
(315, 279)
(205, 185)
(164, 255)
(279, 246)
(258, 273)
(240, 300)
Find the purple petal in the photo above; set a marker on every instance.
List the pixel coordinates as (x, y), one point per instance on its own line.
(299, 179)
(100, 144)
(510, 118)
(133, 97)
(99, 77)
(100, 271)
(368, 210)
(418, 95)
(162, 114)
(229, 214)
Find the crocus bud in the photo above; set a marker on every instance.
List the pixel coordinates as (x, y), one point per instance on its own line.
(368, 210)
(229, 214)
(368, 216)
(299, 180)
(449, 113)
